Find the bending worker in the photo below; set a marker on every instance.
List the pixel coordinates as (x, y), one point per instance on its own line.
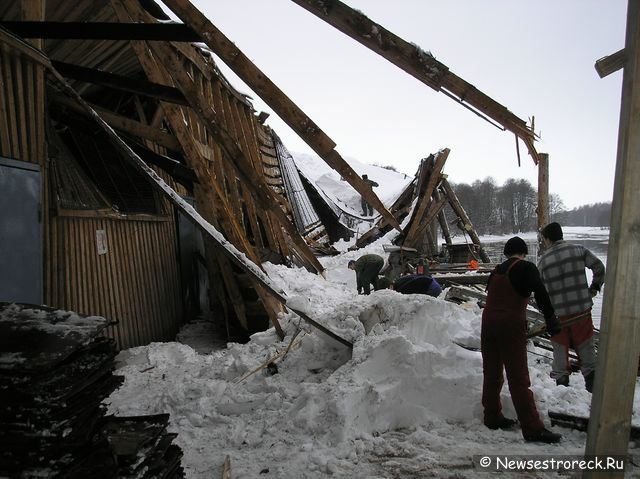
(367, 268)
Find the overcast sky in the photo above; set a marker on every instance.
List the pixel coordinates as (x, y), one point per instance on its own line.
(535, 58)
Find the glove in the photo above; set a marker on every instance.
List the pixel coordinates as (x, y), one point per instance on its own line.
(553, 325)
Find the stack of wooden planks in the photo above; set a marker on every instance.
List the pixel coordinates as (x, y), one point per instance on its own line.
(55, 371)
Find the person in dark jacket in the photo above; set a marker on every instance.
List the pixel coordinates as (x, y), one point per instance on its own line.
(367, 268)
(367, 209)
(414, 284)
(562, 268)
(504, 340)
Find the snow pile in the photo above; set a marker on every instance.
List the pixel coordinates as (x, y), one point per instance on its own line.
(405, 400)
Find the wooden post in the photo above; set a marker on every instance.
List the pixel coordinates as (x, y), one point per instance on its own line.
(619, 345)
(418, 63)
(33, 10)
(442, 219)
(276, 99)
(462, 214)
(543, 195)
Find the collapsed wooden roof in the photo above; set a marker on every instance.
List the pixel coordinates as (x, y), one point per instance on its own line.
(170, 99)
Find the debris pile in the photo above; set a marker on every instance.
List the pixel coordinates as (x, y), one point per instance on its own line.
(55, 371)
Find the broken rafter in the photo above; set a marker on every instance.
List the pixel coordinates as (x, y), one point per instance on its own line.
(122, 83)
(418, 63)
(124, 124)
(168, 32)
(276, 99)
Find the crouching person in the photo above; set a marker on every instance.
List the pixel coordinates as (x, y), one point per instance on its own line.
(367, 268)
(413, 284)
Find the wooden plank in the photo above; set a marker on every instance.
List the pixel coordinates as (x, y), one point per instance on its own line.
(32, 114)
(462, 214)
(414, 61)
(5, 139)
(14, 150)
(21, 119)
(619, 346)
(167, 32)
(276, 99)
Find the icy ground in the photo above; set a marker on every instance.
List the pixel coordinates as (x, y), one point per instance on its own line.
(404, 404)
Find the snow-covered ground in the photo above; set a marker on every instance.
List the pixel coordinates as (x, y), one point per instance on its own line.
(404, 403)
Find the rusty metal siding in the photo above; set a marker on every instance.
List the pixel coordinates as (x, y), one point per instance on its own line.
(136, 282)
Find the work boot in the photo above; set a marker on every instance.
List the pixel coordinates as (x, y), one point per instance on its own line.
(543, 435)
(502, 423)
(588, 381)
(562, 381)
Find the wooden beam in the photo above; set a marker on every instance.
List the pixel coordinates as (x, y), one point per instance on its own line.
(542, 209)
(462, 214)
(424, 197)
(418, 63)
(435, 208)
(168, 32)
(181, 173)
(276, 99)
(124, 124)
(619, 345)
(442, 219)
(611, 63)
(119, 82)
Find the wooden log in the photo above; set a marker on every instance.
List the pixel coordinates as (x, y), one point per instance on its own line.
(416, 62)
(276, 99)
(462, 214)
(615, 383)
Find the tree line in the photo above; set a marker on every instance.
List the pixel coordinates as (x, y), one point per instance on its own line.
(511, 208)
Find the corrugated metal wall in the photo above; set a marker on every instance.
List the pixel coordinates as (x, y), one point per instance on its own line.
(136, 281)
